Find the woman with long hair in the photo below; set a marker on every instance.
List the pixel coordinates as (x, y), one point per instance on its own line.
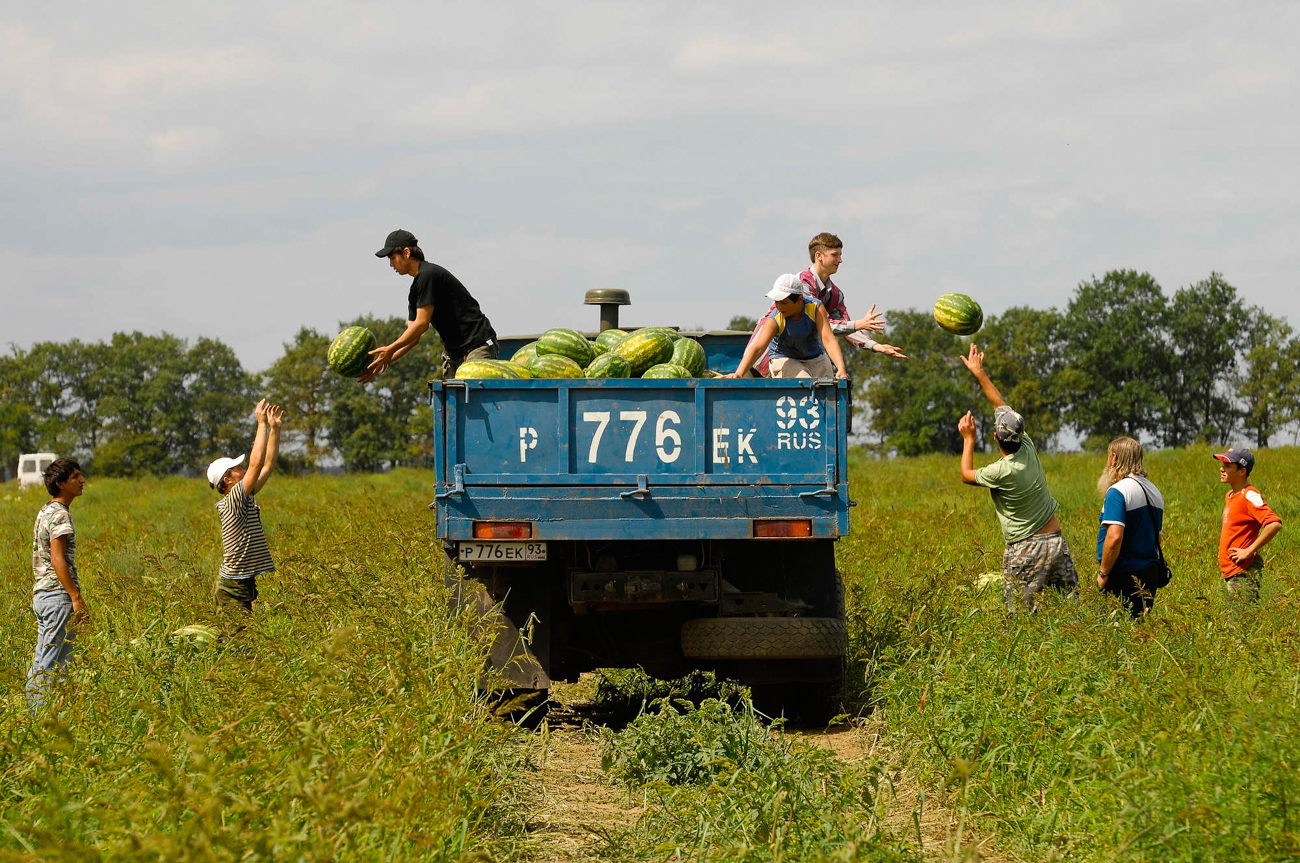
(1132, 519)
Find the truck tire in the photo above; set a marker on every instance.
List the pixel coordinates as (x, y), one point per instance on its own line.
(764, 638)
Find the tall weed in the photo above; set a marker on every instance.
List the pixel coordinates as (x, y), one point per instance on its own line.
(340, 721)
(1081, 735)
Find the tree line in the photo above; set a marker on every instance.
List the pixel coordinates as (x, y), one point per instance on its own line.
(145, 404)
(1122, 358)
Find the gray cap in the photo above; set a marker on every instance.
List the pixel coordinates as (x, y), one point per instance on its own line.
(1008, 426)
(1238, 455)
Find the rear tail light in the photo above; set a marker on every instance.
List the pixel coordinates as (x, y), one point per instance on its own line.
(793, 528)
(503, 530)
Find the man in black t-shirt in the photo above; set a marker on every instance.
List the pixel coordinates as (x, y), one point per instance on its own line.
(437, 298)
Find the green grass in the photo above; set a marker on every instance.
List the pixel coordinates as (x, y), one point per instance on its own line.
(340, 724)
(1076, 734)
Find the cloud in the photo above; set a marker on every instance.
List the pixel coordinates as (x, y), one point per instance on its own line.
(684, 151)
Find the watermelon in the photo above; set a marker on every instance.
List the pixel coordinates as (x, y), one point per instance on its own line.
(645, 348)
(196, 632)
(688, 354)
(958, 313)
(609, 366)
(609, 339)
(349, 353)
(666, 370)
(524, 354)
(490, 370)
(553, 366)
(566, 343)
(668, 331)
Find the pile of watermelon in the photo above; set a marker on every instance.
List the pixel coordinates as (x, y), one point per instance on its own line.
(650, 352)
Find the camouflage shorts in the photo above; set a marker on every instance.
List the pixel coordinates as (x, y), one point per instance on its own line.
(236, 592)
(483, 352)
(1031, 565)
(1244, 586)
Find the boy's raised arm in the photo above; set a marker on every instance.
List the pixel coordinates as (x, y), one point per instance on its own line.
(274, 421)
(257, 458)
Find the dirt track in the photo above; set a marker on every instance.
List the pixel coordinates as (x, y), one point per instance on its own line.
(580, 813)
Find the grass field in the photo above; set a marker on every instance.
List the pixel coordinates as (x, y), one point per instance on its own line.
(341, 723)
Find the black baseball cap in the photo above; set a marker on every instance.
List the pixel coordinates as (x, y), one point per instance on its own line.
(398, 239)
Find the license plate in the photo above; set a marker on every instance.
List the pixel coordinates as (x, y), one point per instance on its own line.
(501, 552)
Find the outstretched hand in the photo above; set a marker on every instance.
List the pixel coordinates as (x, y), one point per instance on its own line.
(890, 351)
(275, 416)
(260, 411)
(974, 360)
(383, 358)
(966, 425)
(874, 322)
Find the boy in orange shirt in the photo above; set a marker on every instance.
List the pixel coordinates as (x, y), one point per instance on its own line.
(1248, 525)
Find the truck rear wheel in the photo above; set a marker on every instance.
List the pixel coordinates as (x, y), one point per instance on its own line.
(764, 638)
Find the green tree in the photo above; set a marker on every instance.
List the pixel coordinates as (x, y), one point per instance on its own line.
(18, 420)
(916, 403)
(742, 323)
(1024, 358)
(1208, 324)
(219, 403)
(1268, 382)
(301, 381)
(1113, 335)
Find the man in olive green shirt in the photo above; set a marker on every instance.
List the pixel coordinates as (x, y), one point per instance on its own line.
(1037, 555)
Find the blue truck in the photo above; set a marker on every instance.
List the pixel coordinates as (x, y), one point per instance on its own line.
(668, 524)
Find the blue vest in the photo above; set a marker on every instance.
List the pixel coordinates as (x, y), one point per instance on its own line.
(798, 340)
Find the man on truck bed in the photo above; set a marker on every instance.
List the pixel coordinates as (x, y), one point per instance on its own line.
(1036, 556)
(795, 336)
(437, 298)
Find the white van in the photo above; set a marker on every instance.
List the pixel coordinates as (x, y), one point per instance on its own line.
(31, 468)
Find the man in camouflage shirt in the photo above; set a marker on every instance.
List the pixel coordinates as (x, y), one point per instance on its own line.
(56, 594)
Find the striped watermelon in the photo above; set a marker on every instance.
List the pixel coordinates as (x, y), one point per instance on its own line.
(553, 366)
(349, 353)
(524, 354)
(958, 313)
(491, 370)
(666, 370)
(668, 331)
(645, 348)
(566, 343)
(609, 339)
(609, 366)
(688, 354)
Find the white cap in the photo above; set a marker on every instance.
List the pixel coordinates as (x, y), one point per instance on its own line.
(785, 286)
(218, 469)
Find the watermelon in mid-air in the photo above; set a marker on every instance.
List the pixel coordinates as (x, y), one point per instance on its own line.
(958, 313)
(349, 353)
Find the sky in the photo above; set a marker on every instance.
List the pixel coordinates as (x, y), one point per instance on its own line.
(228, 170)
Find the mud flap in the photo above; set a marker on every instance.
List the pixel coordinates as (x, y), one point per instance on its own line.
(511, 654)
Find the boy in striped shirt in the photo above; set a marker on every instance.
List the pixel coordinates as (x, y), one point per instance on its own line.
(245, 552)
